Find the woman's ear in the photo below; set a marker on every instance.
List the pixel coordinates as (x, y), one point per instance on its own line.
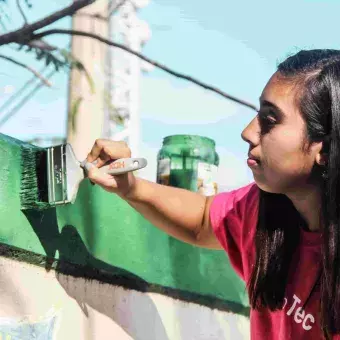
(321, 158)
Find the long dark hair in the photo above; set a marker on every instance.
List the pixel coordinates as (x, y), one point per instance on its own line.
(316, 74)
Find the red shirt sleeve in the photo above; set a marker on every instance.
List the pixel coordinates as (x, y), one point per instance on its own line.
(233, 217)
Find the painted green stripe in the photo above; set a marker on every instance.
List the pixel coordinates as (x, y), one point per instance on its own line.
(103, 232)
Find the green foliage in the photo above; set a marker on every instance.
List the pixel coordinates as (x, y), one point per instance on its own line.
(49, 57)
(61, 59)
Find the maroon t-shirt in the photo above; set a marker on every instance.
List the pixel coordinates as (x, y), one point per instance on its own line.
(234, 218)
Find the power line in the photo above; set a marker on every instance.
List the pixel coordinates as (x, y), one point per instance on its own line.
(17, 107)
(10, 100)
(19, 92)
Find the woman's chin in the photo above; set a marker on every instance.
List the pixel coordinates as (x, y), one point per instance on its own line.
(265, 186)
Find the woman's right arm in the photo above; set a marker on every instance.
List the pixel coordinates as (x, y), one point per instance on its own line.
(178, 212)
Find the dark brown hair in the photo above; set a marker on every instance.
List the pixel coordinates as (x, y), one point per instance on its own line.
(317, 73)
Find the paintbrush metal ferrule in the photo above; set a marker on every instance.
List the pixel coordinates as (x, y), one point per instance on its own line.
(56, 175)
(50, 176)
(65, 174)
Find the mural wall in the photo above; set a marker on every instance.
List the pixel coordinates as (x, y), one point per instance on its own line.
(98, 270)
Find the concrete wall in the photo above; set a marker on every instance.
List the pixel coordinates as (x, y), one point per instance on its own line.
(57, 306)
(101, 264)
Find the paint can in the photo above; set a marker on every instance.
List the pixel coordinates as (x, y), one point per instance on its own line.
(189, 162)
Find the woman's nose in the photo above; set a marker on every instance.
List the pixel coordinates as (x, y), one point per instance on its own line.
(251, 133)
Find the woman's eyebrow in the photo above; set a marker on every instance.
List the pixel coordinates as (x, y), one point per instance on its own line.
(267, 103)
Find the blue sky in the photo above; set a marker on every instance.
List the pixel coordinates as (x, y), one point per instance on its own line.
(234, 45)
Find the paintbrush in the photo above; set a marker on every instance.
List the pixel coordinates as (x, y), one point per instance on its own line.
(51, 176)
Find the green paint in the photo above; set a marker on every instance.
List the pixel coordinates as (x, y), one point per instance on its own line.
(102, 232)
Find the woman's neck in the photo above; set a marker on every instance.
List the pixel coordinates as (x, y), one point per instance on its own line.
(308, 203)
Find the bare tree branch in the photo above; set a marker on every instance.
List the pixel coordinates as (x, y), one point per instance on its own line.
(26, 36)
(22, 12)
(152, 62)
(23, 34)
(36, 73)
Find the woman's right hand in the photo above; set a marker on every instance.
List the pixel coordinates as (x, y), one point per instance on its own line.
(103, 151)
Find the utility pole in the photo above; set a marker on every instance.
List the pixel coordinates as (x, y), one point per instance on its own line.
(86, 108)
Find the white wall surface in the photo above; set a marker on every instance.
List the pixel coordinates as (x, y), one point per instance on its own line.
(41, 305)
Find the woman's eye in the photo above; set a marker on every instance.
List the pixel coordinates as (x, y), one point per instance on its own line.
(267, 121)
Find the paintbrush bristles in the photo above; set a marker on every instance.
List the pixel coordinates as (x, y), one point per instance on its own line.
(34, 188)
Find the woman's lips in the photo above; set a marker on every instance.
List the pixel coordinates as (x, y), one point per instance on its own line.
(252, 162)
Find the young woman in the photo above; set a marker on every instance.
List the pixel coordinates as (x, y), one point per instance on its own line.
(281, 233)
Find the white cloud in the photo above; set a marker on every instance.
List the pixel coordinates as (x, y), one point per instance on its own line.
(165, 101)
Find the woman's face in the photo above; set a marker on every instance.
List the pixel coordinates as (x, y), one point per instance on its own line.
(277, 141)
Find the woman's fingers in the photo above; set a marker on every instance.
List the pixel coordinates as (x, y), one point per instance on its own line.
(104, 150)
(108, 182)
(96, 150)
